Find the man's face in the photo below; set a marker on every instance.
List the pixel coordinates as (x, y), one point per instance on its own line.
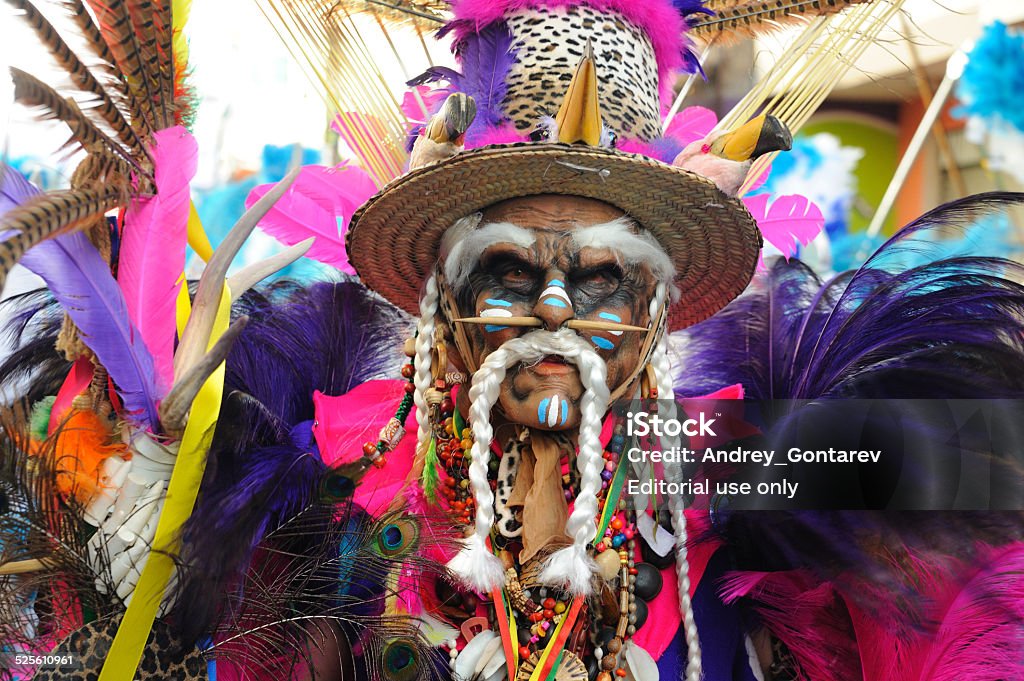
(556, 270)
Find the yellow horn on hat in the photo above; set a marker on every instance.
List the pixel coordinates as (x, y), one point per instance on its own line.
(579, 118)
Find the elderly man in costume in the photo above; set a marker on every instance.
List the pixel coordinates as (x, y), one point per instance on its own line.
(547, 238)
(546, 277)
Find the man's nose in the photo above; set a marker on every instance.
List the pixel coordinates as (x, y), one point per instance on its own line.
(554, 307)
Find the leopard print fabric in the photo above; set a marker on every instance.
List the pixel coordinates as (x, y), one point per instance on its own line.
(549, 43)
(91, 644)
(508, 525)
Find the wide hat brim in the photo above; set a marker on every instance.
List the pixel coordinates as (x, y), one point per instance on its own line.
(394, 238)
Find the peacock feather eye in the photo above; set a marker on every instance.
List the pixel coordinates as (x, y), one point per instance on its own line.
(335, 486)
(397, 537)
(401, 661)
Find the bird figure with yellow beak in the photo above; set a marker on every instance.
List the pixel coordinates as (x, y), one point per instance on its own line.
(726, 158)
(445, 134)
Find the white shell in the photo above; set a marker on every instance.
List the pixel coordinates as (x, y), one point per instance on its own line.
(640, 666)
(465, 663)
(493, 659)
(657, 537)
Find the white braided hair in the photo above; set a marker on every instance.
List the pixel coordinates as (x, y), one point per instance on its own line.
(423, 377)
(475, 565)
(674, 473)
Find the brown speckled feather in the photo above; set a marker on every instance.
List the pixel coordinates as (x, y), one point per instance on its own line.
(735, 21)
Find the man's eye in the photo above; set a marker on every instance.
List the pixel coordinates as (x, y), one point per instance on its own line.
(517, 279)
(599, 282)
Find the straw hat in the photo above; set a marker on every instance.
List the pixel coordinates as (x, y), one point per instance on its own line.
(394, 239)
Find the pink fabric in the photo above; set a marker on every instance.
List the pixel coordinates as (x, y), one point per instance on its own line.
(658, 18)
(345, 422)
(665, 606)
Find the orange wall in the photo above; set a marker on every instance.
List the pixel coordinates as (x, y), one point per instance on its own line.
(916, 197)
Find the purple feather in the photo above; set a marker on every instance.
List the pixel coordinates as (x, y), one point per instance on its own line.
(485, 59)
(949, 328)
(80, 280)
(946, 329)
(690, 7)
(262, 466)
(14, 189)
(329, 337)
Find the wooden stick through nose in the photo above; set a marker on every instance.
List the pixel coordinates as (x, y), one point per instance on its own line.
(588, 325)
(575, 324)
(503, 321)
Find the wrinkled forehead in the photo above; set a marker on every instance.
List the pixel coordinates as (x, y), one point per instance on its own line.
(552, 212)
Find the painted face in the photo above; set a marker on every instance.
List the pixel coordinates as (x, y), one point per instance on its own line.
(556, 271)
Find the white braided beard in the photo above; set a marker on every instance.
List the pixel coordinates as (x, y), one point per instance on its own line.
(572, 566)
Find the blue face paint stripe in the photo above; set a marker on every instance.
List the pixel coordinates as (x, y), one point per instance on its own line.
(565, 412)
(491, 328)
(555, 302)
(542, 409)
(609, 316)
(556, 282)
(499, 303)
(602, 343)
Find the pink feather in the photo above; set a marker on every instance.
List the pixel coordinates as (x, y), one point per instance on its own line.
(505, 134)
(319, 204)
(788, 221)
(152, 256)
(806, 614)
(974, 623)
(961, 620)
(431, 98)
(658, 18)
(691, 124)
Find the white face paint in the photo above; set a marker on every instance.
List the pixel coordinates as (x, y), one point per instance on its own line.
(500, 309)
(555, 296)
(553, 411)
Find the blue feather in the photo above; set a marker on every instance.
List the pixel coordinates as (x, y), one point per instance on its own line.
(992, 85)
(80, 280)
